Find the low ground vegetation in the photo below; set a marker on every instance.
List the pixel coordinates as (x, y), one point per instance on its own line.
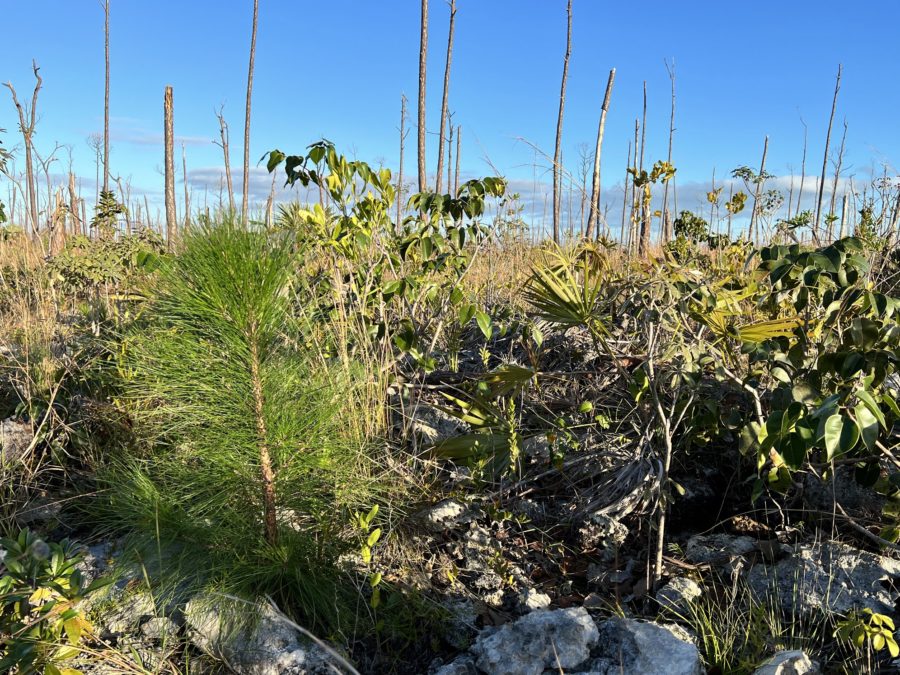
(407, 446)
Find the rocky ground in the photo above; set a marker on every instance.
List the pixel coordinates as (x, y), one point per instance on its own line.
(515, 606)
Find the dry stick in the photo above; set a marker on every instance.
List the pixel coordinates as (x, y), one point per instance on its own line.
(837, 88)
(595, 181)
(171, 222)
(802, 166)
(106, 104)
(456, 172)
(665, 221)
(586, 161)
(625, 197)
(644, 242)
(790, 199)
(843, 216)
(871, 536)
(754, 212)
(245, 197)
(450, 154)
(557, 179)
(403, 133)
(270, 204)
(73, 205)
(423, 55)
(834, 184)
(223, 133)
(27, 129)
(632, 231)
(444, 101)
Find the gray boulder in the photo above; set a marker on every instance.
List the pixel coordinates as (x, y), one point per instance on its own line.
(544, 639)
(832, 576)
(633, 646)
(678, 594)
(531, 600)
(262, 645)
(789, 663)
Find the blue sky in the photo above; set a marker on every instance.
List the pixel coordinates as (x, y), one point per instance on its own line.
(337, 69)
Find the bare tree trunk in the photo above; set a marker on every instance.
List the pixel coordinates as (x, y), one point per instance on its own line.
(625, 198)
(644, 243)
(245, 197)
(403, 133)
(557, 175)
(27, 122)
(423, 55)
(665, 220)
(643, 129)
(754, 213)
(450, 155)
(843, 216)
(790, 199)
(595, 181)
(837, 88)
(73, 205)
(632, 225)
(456, 173)
(171, 222)
(270, 205)
(834, 185)
(444, 102)
(106, 104)
(223, 133)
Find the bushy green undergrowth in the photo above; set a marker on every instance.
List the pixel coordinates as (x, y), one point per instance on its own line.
(41, 623)
(246, 467)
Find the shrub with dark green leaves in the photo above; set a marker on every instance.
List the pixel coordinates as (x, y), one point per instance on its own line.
(41, 625)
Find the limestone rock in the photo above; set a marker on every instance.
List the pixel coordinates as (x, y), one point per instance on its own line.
(267, 645)
(793, 662)
(833, 576)
(633, 646)
(545, 639)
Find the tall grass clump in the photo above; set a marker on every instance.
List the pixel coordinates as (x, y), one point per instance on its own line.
(245, 469)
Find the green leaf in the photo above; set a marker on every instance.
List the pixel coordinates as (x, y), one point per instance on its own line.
(466, 312)
(869, 401)
(864, 332)
(484, 323)
(891, 403)
(841, 435)
(868, 426)
(793, 451)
